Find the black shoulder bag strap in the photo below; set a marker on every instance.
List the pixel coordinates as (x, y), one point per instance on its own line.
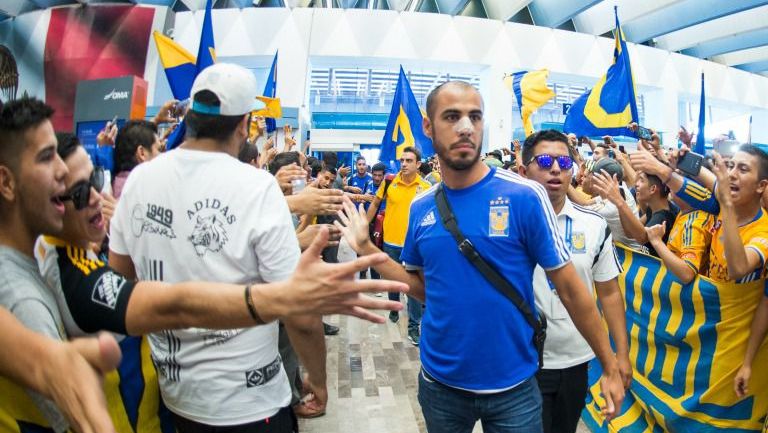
(539, 324)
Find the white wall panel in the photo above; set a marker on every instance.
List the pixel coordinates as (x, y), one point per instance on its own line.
(488, 47)
(343, 139)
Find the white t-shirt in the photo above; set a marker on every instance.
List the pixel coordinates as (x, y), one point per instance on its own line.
(205, 216)
(587, 235)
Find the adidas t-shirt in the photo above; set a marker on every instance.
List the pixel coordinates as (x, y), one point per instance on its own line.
(205, 216)
(472, 336)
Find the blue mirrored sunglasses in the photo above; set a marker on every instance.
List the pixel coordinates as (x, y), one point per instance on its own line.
(545, 161)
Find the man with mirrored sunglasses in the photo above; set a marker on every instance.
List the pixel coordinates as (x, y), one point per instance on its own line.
(547, 159)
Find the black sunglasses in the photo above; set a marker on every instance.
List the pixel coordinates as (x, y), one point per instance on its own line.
(545, 161)
(80, 193)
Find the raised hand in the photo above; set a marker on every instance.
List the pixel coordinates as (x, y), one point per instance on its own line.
(723, 189)
(108, 204)
(321, 288)
(106, 136)
(644, 161)
(607, 187)
(344, 171)
(168, 112)
(353, 225)
(286, 174)
(314, 201)
(685, 136)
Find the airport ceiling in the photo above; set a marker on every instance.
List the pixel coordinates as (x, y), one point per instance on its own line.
(731, 32)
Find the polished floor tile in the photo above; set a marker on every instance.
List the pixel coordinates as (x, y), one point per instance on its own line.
(372, 380)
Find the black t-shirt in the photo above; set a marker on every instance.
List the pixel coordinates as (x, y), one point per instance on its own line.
(96, 295)
(658, 217)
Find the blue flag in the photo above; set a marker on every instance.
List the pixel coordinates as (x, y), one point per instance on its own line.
(270, 91)
(404, 127)
(699, 147)
(610, 105)
(206, 56)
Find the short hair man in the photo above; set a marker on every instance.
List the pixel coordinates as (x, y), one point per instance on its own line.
(399, 195)
(31, 182)
(548, 159)
(476, 345)
(601, 151)
(135, 143)
(199, 223)
(740, 240)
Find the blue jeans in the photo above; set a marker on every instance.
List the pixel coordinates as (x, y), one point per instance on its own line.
(452, 410)
(415, 308)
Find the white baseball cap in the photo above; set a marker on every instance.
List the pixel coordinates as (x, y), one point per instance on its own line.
(234, 85)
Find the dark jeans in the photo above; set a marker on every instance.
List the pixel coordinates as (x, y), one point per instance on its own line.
(447, 409)
(415, 308)
(563, 394)
(283, 422)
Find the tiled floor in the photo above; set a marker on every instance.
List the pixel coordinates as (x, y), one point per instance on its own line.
(372, 372)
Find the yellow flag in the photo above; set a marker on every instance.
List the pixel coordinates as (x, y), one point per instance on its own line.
(531, 91)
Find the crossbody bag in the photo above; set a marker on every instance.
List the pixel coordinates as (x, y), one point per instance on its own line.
(537, 322)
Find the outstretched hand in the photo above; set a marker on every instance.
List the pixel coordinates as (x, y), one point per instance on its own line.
(353, 225)
(607, 187)
(324, 288)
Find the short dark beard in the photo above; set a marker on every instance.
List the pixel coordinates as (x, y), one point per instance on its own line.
(459, 165)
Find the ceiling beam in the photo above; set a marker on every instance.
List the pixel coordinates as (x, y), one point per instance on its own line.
(729, 44)
(599, 20)
(741, 57)
(729, 25)
(553, 13)
(504, 9)
(682, 15)
(451, 7)
(754, 67)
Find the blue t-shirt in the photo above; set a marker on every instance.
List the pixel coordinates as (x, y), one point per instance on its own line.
(472, 336)
(365, 184)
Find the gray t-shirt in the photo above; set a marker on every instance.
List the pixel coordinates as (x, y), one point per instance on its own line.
(24, 293)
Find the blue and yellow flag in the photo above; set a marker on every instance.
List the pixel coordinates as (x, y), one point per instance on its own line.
(404, 127)
(700, 147)
(206, 52)
(686, 344)
(206, 56)
(178, 63)
(610, 106)
(270, 91)
(531, 92)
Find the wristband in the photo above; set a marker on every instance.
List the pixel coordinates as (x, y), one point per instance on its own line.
(251, 308)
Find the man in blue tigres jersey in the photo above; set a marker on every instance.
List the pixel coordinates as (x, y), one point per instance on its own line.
(477, 353)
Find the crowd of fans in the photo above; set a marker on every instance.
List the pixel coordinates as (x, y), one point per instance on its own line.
(710, 223)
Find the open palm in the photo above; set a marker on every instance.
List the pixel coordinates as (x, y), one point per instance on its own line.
(353, 225)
